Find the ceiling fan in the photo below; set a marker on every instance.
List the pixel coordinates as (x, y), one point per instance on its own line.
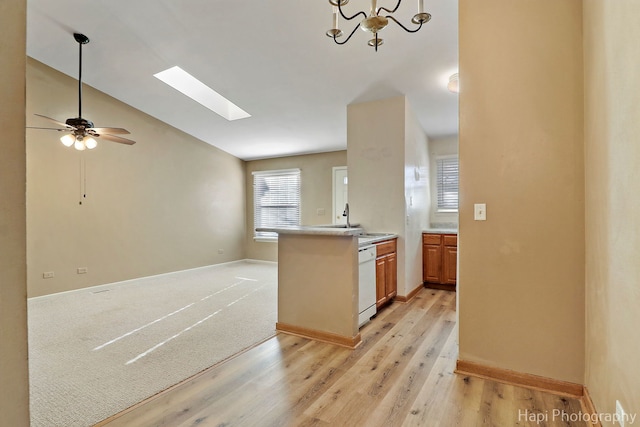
(82, 133)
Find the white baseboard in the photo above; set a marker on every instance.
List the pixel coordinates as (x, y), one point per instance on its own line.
(97, 288)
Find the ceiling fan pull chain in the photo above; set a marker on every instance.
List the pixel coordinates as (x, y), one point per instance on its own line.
(82, 178)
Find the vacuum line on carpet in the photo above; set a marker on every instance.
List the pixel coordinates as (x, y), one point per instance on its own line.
(199, 322)
(244, 278)
(155, 347)
(100, 347)
(224, 289)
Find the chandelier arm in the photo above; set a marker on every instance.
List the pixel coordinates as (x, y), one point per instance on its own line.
(352, 32)
(387, 10)
(403, 27)
(346, 17)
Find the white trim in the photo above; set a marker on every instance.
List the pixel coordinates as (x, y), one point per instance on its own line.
(93, 289)
(259, 261)
(333, 190)
(266, 239)
(276, 172)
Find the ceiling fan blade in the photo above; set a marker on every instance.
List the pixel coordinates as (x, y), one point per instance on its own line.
(55, 121)
(59, 130)
(117, 131)
(115, 139)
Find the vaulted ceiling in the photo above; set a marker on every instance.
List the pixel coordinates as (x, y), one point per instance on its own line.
(270, 57)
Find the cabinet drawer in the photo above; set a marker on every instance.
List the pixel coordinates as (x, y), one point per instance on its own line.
(384, 248)
(431, 239)
(450, 240)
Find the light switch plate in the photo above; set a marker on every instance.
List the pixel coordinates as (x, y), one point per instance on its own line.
(480, 212)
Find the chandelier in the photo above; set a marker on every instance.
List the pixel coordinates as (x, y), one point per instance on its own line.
(374, 22)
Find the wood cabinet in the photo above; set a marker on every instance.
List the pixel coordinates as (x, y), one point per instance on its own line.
(439, 260)
(386, 272)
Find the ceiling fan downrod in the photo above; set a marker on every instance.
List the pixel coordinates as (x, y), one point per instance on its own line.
(81, 39)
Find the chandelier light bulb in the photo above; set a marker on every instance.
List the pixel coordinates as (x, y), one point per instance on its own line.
(68, 140)
(335, 31)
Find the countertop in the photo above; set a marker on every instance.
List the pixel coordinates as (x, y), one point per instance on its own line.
(370, 239)
(364, 238)
(316, 230)
(440, 231)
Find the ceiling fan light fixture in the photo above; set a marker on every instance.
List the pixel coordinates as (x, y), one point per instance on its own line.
(68, 140)
(90, 143)
(79, 145)
(82, 130)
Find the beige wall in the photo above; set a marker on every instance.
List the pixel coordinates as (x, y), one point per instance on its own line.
(375, 158)
(167, 203)
(442, 146)
(316, 179)
(612, 147)
(417, 198)
(385, 145)
(14, 377)
(318, 283)
(521, 272)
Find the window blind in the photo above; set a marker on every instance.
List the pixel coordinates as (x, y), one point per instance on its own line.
(447, 183)
(276, 200)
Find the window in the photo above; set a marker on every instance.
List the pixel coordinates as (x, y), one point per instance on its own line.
(447, 183)
(276, 200)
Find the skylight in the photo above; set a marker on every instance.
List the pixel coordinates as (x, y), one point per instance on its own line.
(188, 85)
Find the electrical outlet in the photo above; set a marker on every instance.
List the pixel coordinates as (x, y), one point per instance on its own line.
(82, 270)
(220, 251)
(621, 415)
(48, 275)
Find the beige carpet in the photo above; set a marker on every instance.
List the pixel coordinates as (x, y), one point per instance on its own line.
(95, 352)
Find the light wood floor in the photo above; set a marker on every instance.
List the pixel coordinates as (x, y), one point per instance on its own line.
(401, 375)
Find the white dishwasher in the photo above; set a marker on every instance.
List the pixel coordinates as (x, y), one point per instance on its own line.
(366, 283)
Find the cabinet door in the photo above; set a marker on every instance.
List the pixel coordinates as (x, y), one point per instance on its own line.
(450, 260)
(381, 282)
(392, 276)
(432, 263)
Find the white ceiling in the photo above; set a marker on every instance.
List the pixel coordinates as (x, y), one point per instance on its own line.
(270, 57)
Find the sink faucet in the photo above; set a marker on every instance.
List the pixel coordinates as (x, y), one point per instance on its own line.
(346, 213)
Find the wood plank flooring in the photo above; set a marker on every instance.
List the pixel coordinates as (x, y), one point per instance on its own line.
(401, 375)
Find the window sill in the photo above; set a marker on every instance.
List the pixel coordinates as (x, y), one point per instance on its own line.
(447, 211)
(266, 239)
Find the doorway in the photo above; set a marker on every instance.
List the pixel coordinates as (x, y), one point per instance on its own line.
(340, 194)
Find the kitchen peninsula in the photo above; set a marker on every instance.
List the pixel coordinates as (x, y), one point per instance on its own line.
(318, 281)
